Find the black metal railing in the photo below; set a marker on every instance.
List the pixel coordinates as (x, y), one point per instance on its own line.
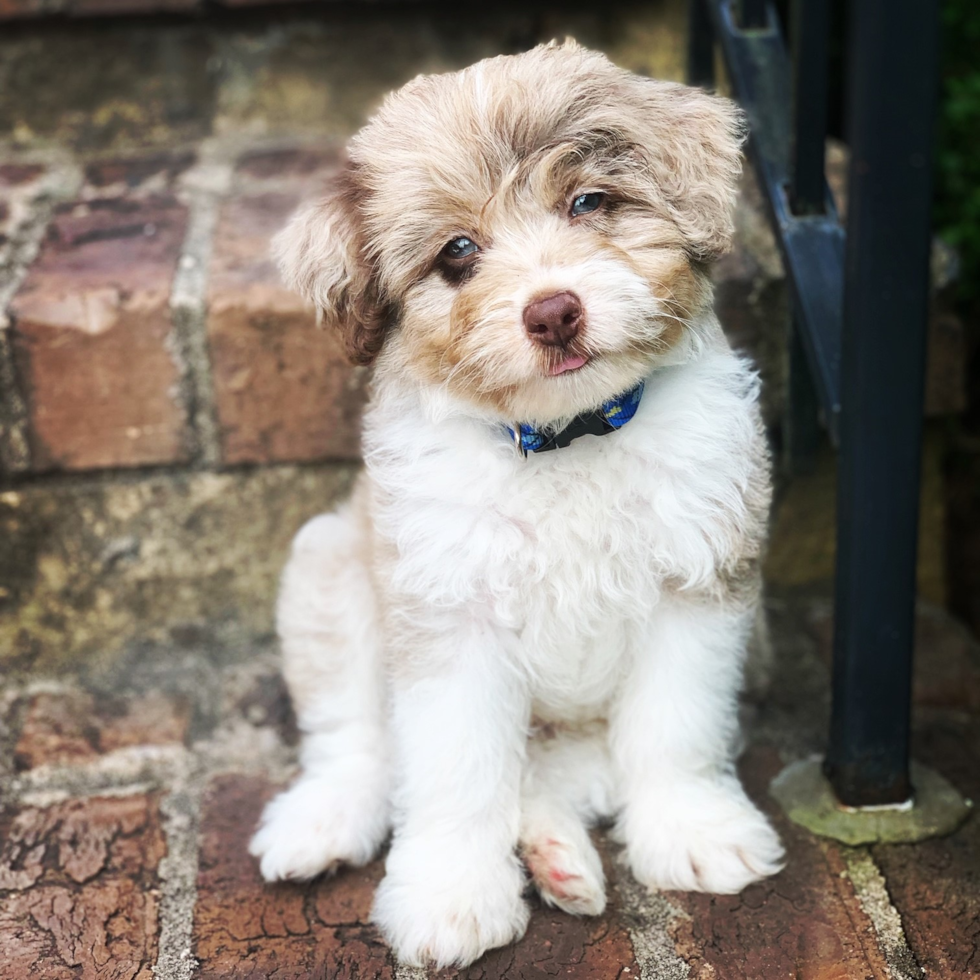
(857, 337)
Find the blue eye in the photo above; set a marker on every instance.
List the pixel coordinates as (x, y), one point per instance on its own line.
(585, 203)
(460, 248)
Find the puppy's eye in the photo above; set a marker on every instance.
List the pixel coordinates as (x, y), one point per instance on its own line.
(460, 249)
(585, 203)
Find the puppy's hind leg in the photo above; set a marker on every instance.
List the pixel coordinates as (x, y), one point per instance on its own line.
(337, 810)
(565, 789)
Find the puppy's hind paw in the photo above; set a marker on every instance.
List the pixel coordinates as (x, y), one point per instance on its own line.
(567, 872)
(315, 826)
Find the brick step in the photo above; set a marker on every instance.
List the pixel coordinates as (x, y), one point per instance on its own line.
(150, 328)
(128, 808)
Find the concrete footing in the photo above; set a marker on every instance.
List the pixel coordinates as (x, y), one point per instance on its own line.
(808, 799)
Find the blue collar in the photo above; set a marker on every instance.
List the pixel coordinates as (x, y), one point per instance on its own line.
(613, 414)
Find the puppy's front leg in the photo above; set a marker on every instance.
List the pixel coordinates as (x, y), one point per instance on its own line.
(453, 884)
(686, 820)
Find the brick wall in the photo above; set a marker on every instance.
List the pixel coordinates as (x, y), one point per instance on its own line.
(146, 325)
(142, 322)
(25, 9)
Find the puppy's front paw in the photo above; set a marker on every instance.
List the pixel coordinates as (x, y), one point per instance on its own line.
(433, 908)
(704, 836)
(318, 824)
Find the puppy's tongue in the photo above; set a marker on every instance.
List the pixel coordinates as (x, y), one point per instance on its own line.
(572, 363)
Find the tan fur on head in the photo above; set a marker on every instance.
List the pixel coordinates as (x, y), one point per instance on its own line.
(497, 153)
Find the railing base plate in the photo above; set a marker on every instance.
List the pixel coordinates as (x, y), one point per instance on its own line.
(807, 798)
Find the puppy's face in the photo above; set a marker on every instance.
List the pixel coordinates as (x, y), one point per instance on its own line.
(528, 234)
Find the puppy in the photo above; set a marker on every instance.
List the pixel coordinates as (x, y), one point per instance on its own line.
(533, 614)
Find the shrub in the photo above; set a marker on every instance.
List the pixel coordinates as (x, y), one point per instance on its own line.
(957, 199)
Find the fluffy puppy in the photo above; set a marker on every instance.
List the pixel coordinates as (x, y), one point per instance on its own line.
(492, 648)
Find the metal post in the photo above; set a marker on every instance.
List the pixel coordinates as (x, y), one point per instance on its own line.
(892, 101)
(751, 14)
(801, 419)
(810, 23)
(700, 45)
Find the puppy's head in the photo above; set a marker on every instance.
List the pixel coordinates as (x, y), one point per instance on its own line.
(528, 234)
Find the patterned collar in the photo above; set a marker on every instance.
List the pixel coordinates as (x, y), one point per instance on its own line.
(614, 414)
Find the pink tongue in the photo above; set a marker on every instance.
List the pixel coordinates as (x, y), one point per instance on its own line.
(569, 364)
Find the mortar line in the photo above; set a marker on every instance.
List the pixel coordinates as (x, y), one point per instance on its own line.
(203, 188)
(871, 889)
(178, 870)
(15, 447)
(119, 773)
(648, 915)
(403, 972)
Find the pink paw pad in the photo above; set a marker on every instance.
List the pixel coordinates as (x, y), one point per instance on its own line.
(557, 873)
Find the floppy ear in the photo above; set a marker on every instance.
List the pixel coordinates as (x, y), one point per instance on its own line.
(321, 255)
(695, 152)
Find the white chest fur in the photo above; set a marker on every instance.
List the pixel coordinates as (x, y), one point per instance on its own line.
(570, 550)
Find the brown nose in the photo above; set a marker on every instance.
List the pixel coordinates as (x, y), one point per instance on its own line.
(554, 320)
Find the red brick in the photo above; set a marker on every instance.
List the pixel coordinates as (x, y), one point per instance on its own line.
(134, 172)
(804, 923)
(73, 727)
(311, 163)
(283, 389)
(935, 885)
(78, 890)
(14, 174)
(247, 930)
(92, 337)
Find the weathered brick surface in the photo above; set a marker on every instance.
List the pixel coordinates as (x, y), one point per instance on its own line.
(147, 173)
(92, 337)
(936, 885)
(804, 923)
(61, 729)
(283, 389)
(247, 930)
(78, 890)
